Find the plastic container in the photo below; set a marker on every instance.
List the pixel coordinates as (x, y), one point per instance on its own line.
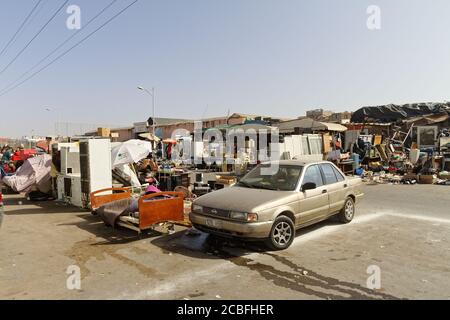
(356, 162)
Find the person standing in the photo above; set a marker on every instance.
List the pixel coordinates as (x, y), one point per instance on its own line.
(6, 157)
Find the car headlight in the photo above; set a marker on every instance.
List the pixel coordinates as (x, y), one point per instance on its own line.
(197, 208)
(249, 217)
(238, 215)
(252, 217)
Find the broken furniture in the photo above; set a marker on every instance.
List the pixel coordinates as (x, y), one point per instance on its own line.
(151, 209)
(346, 166)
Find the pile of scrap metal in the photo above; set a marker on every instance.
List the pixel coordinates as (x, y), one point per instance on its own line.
(414, 146)
(138, 212)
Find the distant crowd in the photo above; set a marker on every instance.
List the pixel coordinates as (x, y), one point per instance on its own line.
(11, 159)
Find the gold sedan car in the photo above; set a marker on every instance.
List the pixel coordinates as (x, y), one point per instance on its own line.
(275, 199)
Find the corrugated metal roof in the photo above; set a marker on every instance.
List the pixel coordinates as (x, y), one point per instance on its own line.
(330, 127)
(308, 123)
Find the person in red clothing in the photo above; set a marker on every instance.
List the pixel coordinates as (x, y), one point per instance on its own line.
(9, 168)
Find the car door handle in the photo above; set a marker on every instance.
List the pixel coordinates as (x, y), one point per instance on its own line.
(324, 191)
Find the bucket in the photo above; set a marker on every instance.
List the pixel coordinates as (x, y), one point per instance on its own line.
(355, 158)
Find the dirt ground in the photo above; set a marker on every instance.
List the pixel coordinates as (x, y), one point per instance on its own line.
(404, 231)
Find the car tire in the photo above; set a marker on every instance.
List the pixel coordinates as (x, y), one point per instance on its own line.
(282, 233)
(347, 213)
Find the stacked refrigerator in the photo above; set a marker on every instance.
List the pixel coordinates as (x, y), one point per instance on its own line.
(95, 167)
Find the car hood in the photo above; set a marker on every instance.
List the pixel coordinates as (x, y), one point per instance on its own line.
(245, 199)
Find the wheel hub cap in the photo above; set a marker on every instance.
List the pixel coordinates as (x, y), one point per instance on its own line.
(349, 210)
(282, 233)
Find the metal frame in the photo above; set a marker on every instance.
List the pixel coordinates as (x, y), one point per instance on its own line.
(419, 128)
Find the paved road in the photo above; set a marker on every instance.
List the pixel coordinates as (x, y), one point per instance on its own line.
(402, 230)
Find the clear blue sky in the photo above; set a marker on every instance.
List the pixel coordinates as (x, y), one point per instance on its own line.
(251, 56)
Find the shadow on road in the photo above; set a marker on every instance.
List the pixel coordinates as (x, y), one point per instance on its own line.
(281, 272)
(95, 226)
(204, 245)
(35, 207)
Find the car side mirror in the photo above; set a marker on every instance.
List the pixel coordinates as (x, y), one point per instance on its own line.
(309, 186)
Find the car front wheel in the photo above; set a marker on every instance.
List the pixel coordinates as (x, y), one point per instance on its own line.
(282, 233)
(348, 211)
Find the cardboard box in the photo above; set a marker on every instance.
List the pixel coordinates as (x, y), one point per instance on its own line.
(104, 132)
(226, 180)
(426, 179)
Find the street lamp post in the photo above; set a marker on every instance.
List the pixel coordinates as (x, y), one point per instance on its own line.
(48, 109)
(153, 95)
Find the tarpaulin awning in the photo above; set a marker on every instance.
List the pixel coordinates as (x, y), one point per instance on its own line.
(131, 151)
(42, 144)
(149, 136)
(393, 113)
(23, 155)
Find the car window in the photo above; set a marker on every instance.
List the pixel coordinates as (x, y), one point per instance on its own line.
(285, 178)
(339, 175)
(312, 174)
(328, 173)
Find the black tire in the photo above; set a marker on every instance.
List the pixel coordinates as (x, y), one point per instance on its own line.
(347, 213)
(282, 233)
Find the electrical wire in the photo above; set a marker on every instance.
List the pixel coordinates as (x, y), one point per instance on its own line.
(36, 13)
(59, 46)
(35, 36)
(70, 49)
(20, 28)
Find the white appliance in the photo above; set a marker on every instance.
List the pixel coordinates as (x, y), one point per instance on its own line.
(69, 189)
(70, 160)
(95, 167)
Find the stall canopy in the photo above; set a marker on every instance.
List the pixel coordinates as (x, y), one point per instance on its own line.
(253, 126)
(130, 151)
(149, 136)
(308, 124)
(42, 144)
(326, 126)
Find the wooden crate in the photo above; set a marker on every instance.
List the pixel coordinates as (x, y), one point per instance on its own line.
(426, 179)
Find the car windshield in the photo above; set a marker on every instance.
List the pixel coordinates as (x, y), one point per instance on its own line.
(285, 179)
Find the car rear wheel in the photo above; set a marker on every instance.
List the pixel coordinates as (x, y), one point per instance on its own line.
(282, 234)
(348, 211)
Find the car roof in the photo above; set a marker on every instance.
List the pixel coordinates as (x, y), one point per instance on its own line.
(297, 162)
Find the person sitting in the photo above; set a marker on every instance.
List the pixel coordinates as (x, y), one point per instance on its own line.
(151, 189)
